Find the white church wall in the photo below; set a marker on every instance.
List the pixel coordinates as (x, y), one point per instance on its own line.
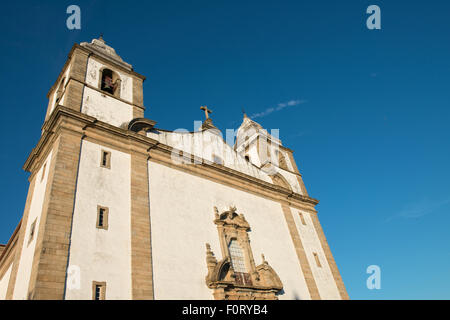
(101, 255)
(182, 214)
(28, 248)
(53, 96)
(324, 278)
(4, 281)
(66, 79)
(253, 154)
(106, 108)
(292, 180)
(204, 145)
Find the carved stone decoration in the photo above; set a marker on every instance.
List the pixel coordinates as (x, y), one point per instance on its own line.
(236, 276)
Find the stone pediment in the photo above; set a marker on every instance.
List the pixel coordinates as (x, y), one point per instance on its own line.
(231, 218)
(99, 47)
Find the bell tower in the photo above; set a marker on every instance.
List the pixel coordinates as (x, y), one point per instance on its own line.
(95, 86)
(266, 151)
(96, 81)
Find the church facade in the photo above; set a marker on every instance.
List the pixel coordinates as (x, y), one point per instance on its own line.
(120, 209)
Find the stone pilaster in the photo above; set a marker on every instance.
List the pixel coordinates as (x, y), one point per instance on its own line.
(48, 276)
(138, 93)
(138, 98)
(331, 262)
(299, 249)
(141, 255)
(77, 76)
(138, 112)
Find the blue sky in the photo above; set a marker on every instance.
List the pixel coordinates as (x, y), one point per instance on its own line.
(370, 132)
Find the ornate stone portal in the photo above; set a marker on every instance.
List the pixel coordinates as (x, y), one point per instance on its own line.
(236, 277)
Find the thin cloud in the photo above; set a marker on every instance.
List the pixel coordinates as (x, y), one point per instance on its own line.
(279, 107)
(419, 209)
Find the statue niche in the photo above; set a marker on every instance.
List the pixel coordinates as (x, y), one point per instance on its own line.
(236, 277)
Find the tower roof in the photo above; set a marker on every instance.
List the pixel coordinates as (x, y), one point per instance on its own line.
(99, 47)
(247, 124)
(249, 127)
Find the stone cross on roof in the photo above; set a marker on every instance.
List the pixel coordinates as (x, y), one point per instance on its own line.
(207, 111)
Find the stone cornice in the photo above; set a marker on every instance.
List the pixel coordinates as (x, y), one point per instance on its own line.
(63, 118)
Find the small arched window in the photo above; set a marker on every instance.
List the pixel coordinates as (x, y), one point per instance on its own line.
(110, 82)
(247, 158)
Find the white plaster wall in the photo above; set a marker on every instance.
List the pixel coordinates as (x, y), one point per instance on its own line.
(182, 214)
(93, 76)
(4, 283)
(101, 255)
(204, 145)
(106, 108)
(324, 278)
(275, 148)
(253, 154)
(53, 96)
(292, 180)
(27, 254)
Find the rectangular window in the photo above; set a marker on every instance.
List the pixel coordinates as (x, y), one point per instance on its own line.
(43, 171)
(302, 218)
(237, 256)
(238, 263)
(98, 290)
(32, 231)
(316, 256)
(105, 160)
(102, 217)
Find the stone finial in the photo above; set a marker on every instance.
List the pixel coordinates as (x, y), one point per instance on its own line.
(211, 261)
